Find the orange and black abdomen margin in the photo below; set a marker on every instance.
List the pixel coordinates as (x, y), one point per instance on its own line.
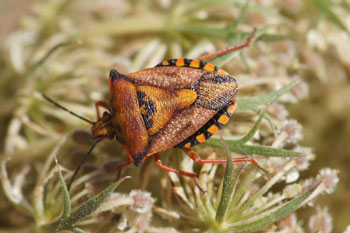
(211, 127)
(191, 63)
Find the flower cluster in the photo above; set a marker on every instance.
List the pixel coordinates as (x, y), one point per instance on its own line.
(65, 49)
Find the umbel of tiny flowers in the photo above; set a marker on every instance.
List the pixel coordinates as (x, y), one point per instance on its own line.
(251, 197)
(239, 202)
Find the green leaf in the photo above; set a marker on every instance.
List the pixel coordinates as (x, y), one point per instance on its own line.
(251, 132)
(325, 7)
(254, 102)
(255, 128)
(228, 186)
(66, 198)
(243, 149)
(281, 212)
(267, 151)
(241, 190)
(275, 37)
(88, 207)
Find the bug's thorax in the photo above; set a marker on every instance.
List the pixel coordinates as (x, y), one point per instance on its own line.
(139, 112)
(103, 128)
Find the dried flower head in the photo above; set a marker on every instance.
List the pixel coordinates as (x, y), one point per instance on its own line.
(142, 201)
(289, 224)
(303, 161)
(329, 177)
(292, 131)
(321, 221)
(278, 111)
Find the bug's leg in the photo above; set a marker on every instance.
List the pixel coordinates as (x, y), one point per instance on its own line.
(121, 167)
(98, 104)
(193, 155)
(229, 49)
(183, 173)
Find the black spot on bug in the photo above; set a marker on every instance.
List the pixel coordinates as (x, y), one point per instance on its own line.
(187, 62)
(147, 108)
(141, 95)
(202, 64)
(172, 62)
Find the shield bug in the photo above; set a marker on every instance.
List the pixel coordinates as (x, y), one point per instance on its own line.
(178, 103)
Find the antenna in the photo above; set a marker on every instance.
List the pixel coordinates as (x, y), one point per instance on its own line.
(65, 109)
(87, 155)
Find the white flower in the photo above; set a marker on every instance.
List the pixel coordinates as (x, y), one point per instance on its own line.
(322, 221)
(329, 178)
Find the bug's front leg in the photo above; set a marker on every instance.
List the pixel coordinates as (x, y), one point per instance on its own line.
(98, 104)
(194, 156)
(179, 172)
(229, 49)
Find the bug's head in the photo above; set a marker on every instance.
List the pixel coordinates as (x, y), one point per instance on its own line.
(100, 129)
(103, 128)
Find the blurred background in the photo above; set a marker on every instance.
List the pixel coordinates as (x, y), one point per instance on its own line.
(309, 40)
